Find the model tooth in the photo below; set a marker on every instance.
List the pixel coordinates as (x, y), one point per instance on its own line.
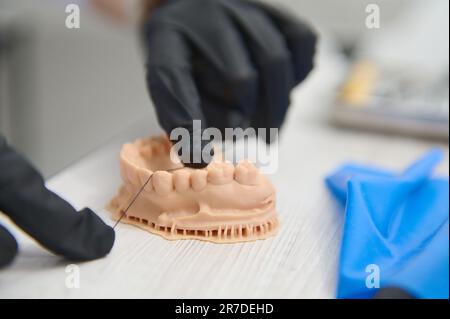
(147, 141)
(181, 180)
(246, 173)
(160, 145)
(220, 173)
(124, 163)
(146, 151)
(167, 143)
(162, 183)
(127, 149)
(228, 171)
(213, 172)
(144, 176)
(123, 171)
(199, 180)
(139, 142)
(249, 165)
(240, 174)
(158, 149)
(132, 173)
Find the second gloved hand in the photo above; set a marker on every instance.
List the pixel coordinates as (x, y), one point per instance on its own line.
(45, 216)
(228, 63)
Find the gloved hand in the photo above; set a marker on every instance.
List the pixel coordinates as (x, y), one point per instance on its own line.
(228, 63)
(46, 217)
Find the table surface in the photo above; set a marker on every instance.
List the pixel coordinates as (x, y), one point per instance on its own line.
(300, 262)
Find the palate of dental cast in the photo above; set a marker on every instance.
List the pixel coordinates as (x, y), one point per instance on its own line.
(220, 203)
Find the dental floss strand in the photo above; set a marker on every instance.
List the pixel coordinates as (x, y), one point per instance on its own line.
(124, 213)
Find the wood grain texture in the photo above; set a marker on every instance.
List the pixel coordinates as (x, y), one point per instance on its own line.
(300, 262)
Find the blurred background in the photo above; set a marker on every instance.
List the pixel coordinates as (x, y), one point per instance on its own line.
(65, 92)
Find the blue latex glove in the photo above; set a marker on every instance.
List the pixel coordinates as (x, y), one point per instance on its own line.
(398, 223)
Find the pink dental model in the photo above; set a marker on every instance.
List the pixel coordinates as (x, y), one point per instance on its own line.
(221, 203)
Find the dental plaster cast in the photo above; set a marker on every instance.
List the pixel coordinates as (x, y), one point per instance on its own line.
(221, 203)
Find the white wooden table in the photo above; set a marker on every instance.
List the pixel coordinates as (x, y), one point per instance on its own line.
(300, 262)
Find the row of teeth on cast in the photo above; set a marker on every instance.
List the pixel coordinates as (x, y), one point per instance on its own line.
(230, 232)
(163, 182)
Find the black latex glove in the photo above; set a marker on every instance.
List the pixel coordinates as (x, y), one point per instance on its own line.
(228, 63)
(45, 216)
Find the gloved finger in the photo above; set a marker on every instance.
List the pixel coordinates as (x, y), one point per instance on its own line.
(169, 79)
(222, 66)
(222, 116)
(271, 55)
(45, 216)
(8, 247)
(173, 90)
(300, 37)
